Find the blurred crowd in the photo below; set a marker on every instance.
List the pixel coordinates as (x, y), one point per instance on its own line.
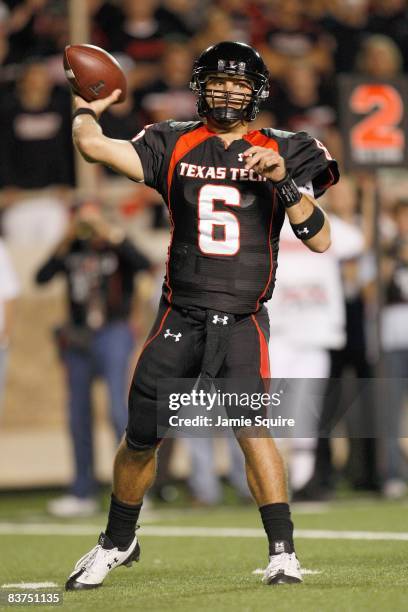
(306, 45)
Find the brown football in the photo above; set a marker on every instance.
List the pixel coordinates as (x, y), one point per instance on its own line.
(93, 73)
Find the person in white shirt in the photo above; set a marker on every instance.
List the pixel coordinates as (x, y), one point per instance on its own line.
(9, 290)
(394, 336)
(307, 320)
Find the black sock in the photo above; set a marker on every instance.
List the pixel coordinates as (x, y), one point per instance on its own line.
(122, 522)
(278, 527)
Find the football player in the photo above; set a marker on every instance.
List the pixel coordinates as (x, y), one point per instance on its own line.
(227, 190)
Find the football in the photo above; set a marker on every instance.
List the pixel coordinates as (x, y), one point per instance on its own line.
(93, 73)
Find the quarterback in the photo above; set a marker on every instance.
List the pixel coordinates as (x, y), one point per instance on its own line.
(227, 190)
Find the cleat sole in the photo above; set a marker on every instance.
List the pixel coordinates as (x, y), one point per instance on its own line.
(73, 585)
(79, 586)
(283, 579)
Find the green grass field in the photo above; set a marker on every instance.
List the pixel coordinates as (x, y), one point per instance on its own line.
(214, 571)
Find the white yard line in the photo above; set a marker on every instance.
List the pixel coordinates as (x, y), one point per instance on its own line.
(8, 528)
(29, 585)
(331, 534)
(47, 529)
(310, 507)
(305, 572)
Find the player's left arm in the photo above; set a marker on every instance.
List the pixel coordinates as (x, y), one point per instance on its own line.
(271, 165)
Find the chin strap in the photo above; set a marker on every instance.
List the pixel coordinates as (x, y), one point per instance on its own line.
(226, 115)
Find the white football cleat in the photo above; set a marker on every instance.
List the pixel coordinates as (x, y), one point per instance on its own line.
(282, 569)
(91, 570)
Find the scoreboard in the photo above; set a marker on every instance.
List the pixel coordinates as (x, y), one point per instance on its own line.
(374, 121)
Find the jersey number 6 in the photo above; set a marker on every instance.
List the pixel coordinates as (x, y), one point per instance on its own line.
(211, 220)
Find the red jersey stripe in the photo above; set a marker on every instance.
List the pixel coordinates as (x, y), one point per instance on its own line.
(146, 344)
(184, 145)
(256, 138)
(264, 368)
(271, 267)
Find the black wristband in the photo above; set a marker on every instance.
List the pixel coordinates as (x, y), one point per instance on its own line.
(310, 226)
(84, 111)
(288, 192)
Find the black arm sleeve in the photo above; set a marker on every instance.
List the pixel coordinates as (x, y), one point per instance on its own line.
(49, 269)
(129, 254)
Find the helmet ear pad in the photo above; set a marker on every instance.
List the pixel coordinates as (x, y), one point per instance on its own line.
(232, 59)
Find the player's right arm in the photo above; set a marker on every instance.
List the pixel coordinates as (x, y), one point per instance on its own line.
(94, 146)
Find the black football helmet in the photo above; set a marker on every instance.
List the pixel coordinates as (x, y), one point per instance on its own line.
(235, 59)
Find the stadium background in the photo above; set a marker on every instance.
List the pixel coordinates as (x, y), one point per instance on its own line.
(306, 45)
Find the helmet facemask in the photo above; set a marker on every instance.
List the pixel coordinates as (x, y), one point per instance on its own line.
(224, 106)
(237, 106)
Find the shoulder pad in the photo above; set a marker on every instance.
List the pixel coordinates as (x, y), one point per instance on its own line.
(182, 126)
(272, 133)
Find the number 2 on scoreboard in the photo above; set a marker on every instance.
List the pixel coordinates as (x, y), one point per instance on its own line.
(380, 129)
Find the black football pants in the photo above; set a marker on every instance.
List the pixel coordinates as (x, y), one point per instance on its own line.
(175, 349)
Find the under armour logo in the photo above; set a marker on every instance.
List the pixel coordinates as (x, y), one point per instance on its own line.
(303, 231)
(279, 547)
(110, 565)
(175, 336)
(217, 319)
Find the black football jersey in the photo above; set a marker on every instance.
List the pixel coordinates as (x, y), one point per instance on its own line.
(225, 219)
